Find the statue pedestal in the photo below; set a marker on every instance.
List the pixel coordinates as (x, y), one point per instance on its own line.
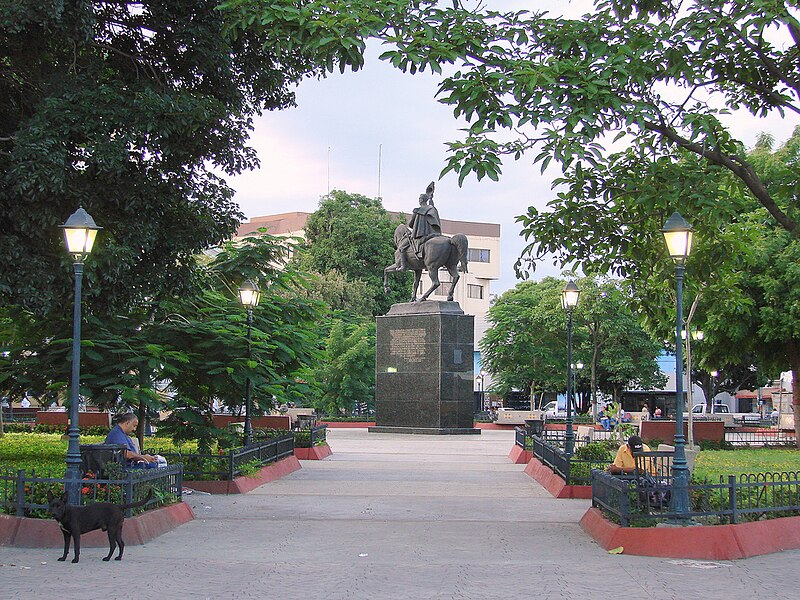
(424, 370)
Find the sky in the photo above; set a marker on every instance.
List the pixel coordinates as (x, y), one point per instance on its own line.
(342, 125)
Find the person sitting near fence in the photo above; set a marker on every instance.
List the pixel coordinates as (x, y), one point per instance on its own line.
(624, 462)
(120, 434)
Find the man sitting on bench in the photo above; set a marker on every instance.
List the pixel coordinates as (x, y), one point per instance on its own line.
(624, 462)
(120, 434)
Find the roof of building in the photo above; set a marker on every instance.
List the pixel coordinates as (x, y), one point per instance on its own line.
(293, 222)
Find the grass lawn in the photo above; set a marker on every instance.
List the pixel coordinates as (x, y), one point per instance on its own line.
(713, 463)
(47, 451)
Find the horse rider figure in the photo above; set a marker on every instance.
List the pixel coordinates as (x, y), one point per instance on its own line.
(423, 225)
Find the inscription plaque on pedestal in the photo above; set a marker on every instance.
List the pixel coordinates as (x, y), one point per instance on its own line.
(424, 369)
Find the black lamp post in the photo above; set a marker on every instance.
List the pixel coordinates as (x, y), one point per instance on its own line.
(481, 381)
(249, 297)
(678, 235)
(80, 231)
(569, 300)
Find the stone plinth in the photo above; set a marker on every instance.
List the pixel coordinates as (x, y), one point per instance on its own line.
(424, 374)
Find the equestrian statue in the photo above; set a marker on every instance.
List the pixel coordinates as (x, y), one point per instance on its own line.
(421, 245)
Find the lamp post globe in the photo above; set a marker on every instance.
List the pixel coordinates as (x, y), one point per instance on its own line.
(249, 296)
(678, 237)
(569, 300)
(80, 232)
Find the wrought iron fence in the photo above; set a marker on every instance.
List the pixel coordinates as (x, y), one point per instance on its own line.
(639, 501)
(522, 439)
(573, 470)
(318, 435)
(759, 437)
(234, 463)
(18, 415)
(25, 494)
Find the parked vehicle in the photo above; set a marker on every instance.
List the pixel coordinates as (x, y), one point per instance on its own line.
(552, 411)
(731, 419)
(702, 409)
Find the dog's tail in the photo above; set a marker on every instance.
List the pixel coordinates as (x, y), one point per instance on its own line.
(140, 502)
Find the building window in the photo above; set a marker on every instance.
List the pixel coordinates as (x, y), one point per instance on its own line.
(478, 255)
(475, 291)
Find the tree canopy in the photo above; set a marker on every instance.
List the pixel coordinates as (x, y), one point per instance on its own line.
(526, 345)
(657, 74)
(135, 110)
(353, 235)
(195, 343)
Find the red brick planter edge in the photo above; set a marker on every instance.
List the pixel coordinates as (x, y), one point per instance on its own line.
(315, 453)
(713, 542)
(553, 483)
(242, 485)
(518, 456)
(24, 532)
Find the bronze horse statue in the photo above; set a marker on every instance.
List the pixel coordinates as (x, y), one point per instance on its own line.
(439, 252)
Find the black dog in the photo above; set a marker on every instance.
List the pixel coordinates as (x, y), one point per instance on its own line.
(75, 520)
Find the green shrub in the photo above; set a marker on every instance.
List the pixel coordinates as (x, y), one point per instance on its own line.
(714, 445)
(596, 451)
(59, 429)
(18, 427)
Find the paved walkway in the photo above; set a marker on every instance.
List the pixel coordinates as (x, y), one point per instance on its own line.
(389, 517)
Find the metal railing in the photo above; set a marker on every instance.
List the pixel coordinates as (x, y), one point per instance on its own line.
(234, 463)
(318, 435)
(637, 501)
(25, 494)
(522, 439)
(574, 471)
(760, 437)
(19, 415)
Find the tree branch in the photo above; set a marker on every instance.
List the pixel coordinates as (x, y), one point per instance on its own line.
(738, 166)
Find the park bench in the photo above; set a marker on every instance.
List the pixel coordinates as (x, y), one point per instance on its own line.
(95, 457)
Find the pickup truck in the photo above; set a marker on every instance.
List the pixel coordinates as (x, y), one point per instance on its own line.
(722, 411)
(552, 411)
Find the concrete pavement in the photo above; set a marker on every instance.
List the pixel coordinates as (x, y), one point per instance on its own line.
(391, 517)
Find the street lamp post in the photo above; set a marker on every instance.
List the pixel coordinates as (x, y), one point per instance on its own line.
(249, 295)
(569, 300)
(678, 236)
(710, 401)
(80, 231)
(479, 379)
